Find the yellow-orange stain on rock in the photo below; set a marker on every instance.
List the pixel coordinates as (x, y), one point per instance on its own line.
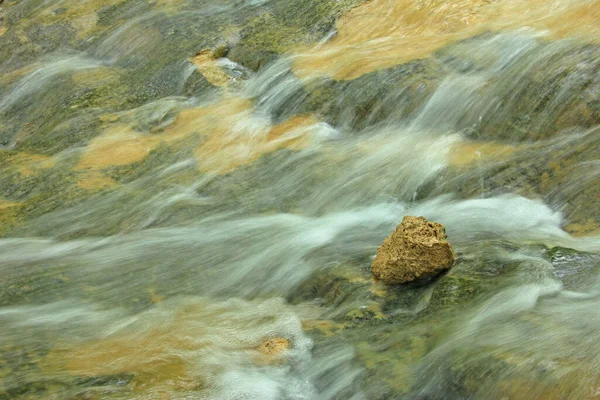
(121, 145)
(95, 77)
(272, 351)
(94, 181)
(8, 214)
(248, 141)
(281, 131)
(382, 33)
(8, 204)
(585, 228)
(28, 164)
(154, 296)
(228, 135)
(274, 346)
(582, 21)
(152, 359)
(206, 62)
(159, 356)
(325, 327)
(467, 153)
(170, 348)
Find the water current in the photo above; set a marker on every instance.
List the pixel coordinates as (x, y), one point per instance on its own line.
(188, 213)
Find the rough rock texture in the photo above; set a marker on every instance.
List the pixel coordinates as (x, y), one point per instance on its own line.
(274, 346)
(272, 351)
(416, 249)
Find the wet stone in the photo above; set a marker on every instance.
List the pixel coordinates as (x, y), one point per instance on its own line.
(573, 267)
(388, 95)
(557, 171)
(274, 346)
(453, 290)
(282, 25)
(416, 250)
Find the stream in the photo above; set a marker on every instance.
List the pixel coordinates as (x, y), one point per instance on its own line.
(192, 193)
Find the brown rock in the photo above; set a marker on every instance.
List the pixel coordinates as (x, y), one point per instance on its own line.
(417, 249)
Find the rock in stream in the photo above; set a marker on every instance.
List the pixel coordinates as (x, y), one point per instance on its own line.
(416, 250)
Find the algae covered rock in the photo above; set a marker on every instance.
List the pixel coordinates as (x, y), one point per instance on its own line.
(417, 249)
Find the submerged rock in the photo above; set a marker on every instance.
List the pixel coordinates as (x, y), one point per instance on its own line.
(274, 346)
(272, 351)
(559, 171)
(416, 249)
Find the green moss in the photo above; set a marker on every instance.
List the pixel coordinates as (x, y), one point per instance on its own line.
(41, 192)
(22, 364)
(283, 25)
(558, 92)
(454, 290)
(110, 16)
(49, 38)
(108, 96)
(38, 286)
(559, 175)
(76, 131)
(105, 380)
(560, 254)
(26, 380)
(574, 267)
(389, 94)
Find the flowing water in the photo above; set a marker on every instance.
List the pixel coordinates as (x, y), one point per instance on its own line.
(181, 220)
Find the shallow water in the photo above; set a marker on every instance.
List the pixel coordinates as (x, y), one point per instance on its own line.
(162, 238)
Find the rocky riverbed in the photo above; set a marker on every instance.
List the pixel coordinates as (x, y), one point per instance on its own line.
(193, 192)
